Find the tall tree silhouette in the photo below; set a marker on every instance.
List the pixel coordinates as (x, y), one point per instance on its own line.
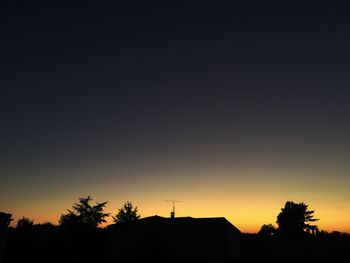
(126, 213)
(294, 219)
(84, 213)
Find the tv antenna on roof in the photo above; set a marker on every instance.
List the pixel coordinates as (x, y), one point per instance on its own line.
(172, 213)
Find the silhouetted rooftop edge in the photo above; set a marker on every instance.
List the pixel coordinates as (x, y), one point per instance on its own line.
(177, 220)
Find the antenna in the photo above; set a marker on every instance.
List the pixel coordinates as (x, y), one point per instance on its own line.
(172, 213)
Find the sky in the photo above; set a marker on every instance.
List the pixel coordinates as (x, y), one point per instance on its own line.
(233, 109)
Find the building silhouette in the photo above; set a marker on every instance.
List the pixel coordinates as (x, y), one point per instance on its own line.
(182, 239)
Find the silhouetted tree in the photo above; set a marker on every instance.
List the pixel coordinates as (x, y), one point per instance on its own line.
(267, 230)
(24, 222)
(323, 233)
(46, 224)
(294, 218)
(335, 234)
(126, 213)
(84, 214)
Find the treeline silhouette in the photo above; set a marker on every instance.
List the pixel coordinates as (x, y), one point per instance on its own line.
(295, 239)
(293, 221)
(79, 238)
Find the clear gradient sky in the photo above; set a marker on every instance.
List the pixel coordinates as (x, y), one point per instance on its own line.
(234, 109)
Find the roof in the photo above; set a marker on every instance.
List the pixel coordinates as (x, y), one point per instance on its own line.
(157, 221)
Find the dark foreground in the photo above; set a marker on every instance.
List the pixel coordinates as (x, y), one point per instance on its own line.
(52, 244)
(311, 249)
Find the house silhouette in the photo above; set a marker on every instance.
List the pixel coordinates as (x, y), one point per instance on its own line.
(182, 239)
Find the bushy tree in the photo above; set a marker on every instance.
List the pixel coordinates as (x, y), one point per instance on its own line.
(126, 213)
(24, 222)
(83, 213)
(69, 219)
(294, 219)
(5, 220)
(267, 230)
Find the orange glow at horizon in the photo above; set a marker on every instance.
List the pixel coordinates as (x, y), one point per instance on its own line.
(248, 219)
(247, 216)
(246, 201)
